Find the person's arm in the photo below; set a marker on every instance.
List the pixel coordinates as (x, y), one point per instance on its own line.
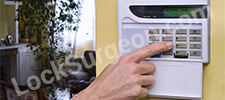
(125, 78)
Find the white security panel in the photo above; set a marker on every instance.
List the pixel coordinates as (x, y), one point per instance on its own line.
(186, 23)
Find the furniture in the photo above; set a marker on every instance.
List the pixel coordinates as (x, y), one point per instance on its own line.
(82, 79)
(10, 93)
(21, 62)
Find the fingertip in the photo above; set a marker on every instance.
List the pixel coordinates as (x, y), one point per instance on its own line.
(169, 44)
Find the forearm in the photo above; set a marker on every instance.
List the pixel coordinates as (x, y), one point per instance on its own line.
(86, 94)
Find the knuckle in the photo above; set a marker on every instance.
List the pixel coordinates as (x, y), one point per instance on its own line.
(151, 49)
(163, 46)
(152, 79)
(153, 66)
(137, 92)
(124, 58)
(158, 47)
(136, 80)
(134, 69)
(144, 93)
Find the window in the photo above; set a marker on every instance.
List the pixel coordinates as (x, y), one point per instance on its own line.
(86, 32)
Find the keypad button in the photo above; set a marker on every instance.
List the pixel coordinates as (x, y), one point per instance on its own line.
(181, 39)
(153, 31)
(154, 38)
(167, 38)
(152, 42)
(156, 56)
(195, 32)
(180, 54)
(181, 46)
(195, 39)
(195, 53)
(195, 46)
(167, 31)
(168, 53)
(181, 31)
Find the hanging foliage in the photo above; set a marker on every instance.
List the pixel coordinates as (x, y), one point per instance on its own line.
(52, 17)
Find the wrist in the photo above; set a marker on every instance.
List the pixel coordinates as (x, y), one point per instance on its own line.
(86, 94)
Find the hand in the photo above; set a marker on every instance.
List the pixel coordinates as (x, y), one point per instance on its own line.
(125, 78)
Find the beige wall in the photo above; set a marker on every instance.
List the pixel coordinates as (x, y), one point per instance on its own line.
(10, 18)
(106, 30)
(3, 25)
(214, 72)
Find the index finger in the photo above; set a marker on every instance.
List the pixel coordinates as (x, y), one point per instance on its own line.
(150, 50)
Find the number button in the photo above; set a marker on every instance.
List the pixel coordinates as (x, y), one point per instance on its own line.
(168, 52)
(156, 56)
(195, 46)
(181, 54)
(181, 46)
(153, 31)
(154, 38)
(152, 42)
(195, 32)
(195, 39)
(181, 31)
(167, 31)
(181, 39)
(167, 38)
(195, 53)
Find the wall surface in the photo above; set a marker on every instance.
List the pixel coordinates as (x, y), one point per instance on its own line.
(214, 72)
(10, 18)
(3, 25)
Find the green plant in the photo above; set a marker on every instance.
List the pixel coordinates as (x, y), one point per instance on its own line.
(43, 15)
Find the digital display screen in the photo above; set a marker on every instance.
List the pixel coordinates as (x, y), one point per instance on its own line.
(178, 12)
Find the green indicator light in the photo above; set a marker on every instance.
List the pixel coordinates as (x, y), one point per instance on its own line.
(178, 12)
